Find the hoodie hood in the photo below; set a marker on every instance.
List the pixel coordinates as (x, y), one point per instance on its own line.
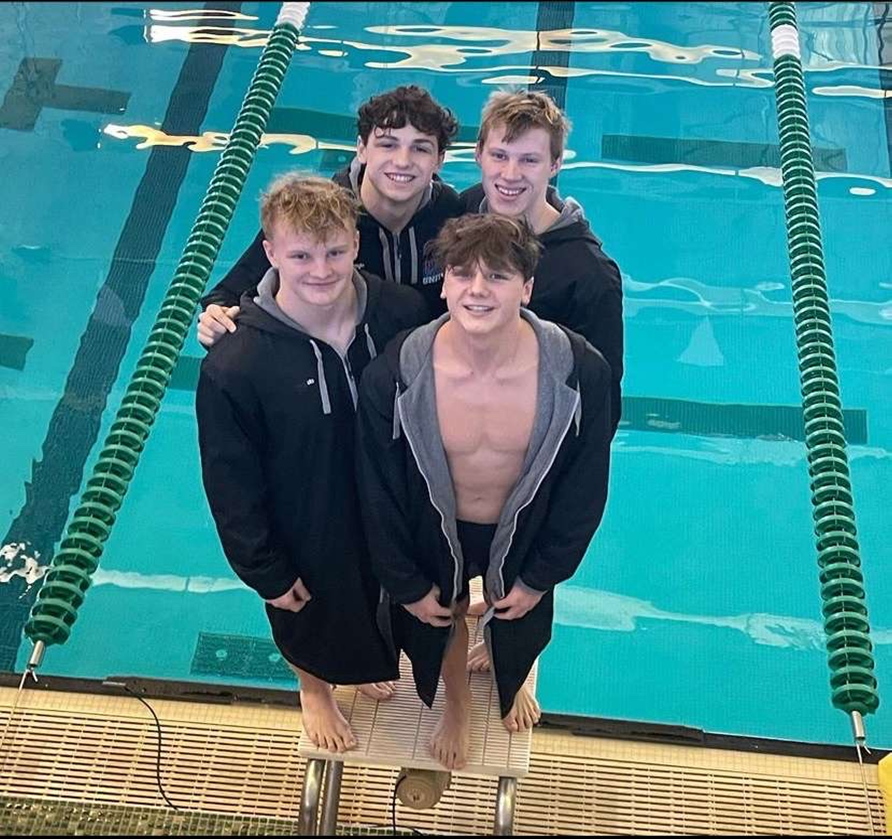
(264, 313)
(265, 300)
(558, 408)
(555, 353)
(400, 257)
(351, 178)
(570, 225)
(571, 213)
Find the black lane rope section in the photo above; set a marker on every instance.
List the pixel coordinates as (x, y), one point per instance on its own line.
(76, 421)
(883, 20)
(550, 17)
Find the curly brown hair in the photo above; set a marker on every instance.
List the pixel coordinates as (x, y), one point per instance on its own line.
(316, 206)
(500, 242)
(408, 104)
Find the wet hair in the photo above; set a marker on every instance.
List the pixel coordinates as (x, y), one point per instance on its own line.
(408, 104)
(519, 112)
(500, 242)
(316, 206)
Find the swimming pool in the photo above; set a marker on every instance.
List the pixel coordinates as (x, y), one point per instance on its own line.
(698, 602)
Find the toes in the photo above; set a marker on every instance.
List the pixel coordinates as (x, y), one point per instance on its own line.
(378, 690)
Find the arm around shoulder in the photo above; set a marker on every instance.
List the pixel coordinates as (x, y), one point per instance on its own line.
(242, 277)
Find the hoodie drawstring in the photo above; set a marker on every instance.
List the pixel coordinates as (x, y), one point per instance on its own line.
(396, 412)
(370, 344)
(414, 255)
(385, 247)
(577, 416)
(320, 375)
(393, 266)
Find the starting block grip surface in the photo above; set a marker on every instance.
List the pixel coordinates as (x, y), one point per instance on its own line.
(397, 732)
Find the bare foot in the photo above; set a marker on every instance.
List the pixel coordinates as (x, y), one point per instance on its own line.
(379, 691)
(478, 659)
(524, 714)
(323, 721)
(478, 609)
(451, 740)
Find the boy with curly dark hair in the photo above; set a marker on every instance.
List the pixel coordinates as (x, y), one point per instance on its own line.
(402, 139)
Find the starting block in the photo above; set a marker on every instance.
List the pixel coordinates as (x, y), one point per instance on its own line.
(397, 733)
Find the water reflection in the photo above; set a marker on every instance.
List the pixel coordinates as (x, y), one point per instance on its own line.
(611, 612)
(576, 606)
(473, 50)
(463, 152)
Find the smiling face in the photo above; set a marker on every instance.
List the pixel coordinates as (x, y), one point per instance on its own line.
(482, 299)
(312, 271)
(400, 162)
(515, 174)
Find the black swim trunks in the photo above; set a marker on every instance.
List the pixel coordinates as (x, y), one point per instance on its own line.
(476, 540)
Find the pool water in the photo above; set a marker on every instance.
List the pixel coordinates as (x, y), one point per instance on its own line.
(698, 601)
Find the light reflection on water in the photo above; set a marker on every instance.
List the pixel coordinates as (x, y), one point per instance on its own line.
(492, 43)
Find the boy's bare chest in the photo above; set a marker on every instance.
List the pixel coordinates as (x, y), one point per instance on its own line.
(486, 417)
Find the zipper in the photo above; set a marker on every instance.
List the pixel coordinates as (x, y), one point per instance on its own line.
(348, 368)
(397, 259)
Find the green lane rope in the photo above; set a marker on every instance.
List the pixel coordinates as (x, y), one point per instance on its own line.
(850, 651)
(69, 576)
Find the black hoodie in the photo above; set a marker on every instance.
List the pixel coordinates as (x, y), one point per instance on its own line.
(276, 416)
(544, 528)
(576, 284)
(398, 258)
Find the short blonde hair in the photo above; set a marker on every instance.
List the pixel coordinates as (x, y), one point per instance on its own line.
(519, 112)
(316, 206)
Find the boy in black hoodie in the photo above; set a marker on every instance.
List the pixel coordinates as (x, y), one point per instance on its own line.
(403, 137)
(520, 147)
(276, 407)
(484, 446)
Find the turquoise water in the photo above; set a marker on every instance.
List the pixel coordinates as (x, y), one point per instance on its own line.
(698, 601)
